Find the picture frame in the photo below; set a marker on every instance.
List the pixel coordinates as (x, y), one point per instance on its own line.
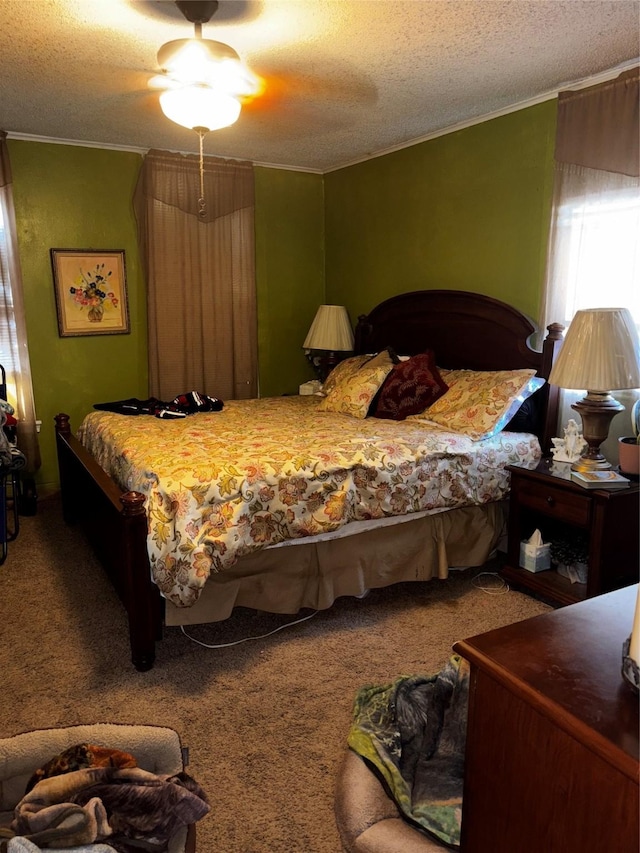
(91, 291)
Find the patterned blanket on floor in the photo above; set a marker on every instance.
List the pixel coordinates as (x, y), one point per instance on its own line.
(412, 734)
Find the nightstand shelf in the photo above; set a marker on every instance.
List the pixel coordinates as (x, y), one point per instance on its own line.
(546, 498)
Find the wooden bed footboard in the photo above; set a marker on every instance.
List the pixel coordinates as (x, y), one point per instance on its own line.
(115, 523)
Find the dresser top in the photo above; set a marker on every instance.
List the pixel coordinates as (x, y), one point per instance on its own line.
(567, 664)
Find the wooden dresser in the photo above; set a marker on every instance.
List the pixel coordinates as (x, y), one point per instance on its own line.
(552, 743)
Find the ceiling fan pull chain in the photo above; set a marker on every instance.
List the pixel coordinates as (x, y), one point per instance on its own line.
(202, 205)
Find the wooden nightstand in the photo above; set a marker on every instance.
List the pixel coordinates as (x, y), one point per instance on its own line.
(547, 499)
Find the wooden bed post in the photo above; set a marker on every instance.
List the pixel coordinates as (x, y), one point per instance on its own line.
(140, 593)
(550, 348)
(63, 428)
(115, 523)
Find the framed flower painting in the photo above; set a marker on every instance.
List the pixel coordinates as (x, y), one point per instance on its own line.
(91, 292)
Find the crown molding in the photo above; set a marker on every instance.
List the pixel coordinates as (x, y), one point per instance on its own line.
(83, 143)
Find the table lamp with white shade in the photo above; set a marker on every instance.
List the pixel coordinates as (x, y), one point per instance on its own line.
(329, 335)
(600, 353)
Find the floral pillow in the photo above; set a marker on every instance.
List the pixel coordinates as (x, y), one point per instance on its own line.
(353, 392)
(342, 371)
(479, 403)
(411, 387)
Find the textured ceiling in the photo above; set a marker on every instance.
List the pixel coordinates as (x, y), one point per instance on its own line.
(344, 79)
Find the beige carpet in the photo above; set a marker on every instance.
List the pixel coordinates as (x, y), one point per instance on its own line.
(265, 721)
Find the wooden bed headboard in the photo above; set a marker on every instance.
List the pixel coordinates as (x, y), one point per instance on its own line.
(465, 330)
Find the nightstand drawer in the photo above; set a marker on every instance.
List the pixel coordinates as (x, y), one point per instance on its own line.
(562, 504)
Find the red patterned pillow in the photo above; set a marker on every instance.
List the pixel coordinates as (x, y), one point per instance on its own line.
(410, 388)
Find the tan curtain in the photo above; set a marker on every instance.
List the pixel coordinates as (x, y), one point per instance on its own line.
(14, 352)
(596, 171)
(599, 127)
(200, 275)
(593, 257)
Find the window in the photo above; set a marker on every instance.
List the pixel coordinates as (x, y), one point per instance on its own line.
(594, 262)
(594, 254)
(14, 351)
(599, 254)
(7, 318)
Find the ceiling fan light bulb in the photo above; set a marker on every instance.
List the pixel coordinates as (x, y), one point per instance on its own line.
(208, 62)
(190, 56)
(199, 107)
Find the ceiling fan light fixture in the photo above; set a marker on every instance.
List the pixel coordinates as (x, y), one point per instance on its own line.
(205, 80)
(213, 63)
(199, 107)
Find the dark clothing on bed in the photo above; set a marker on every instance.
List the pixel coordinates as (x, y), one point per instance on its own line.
(179, 407)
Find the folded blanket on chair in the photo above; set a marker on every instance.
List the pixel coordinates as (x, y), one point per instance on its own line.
(129, 808)
(78, 757)
(23, 845)
(412, 734)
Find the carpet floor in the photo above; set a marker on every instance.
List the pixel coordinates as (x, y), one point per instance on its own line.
(266, 721)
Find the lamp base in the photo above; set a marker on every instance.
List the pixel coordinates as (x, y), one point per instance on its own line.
(323, 362)
(596, 410)
(598, 463)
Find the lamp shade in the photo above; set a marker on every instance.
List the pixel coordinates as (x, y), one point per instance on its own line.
(330, 330)
(600, 352)
(199, 107)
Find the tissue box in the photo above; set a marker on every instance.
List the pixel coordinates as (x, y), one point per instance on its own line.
(535, 559)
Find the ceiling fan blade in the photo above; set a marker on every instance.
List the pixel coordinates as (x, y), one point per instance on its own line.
(162, 81)
(306, 87)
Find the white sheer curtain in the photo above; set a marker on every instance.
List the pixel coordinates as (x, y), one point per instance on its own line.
(594, 245)
(14, 352)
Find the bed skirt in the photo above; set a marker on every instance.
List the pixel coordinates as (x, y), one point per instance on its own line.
(302, 575)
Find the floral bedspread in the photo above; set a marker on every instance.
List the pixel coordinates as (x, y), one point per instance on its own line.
(220, 485)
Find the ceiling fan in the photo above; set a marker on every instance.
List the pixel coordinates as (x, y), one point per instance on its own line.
(205, 82)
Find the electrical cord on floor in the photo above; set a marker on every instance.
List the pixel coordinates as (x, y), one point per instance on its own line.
(246, 639)
(498, 586)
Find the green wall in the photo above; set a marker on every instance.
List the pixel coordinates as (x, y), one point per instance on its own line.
(74, 197)
(289, 273)
(69, 197)
(466, 211)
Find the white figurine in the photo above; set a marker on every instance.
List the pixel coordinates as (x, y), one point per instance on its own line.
(569, 448)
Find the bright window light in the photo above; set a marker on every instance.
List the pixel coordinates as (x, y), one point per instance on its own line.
(601, 252)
